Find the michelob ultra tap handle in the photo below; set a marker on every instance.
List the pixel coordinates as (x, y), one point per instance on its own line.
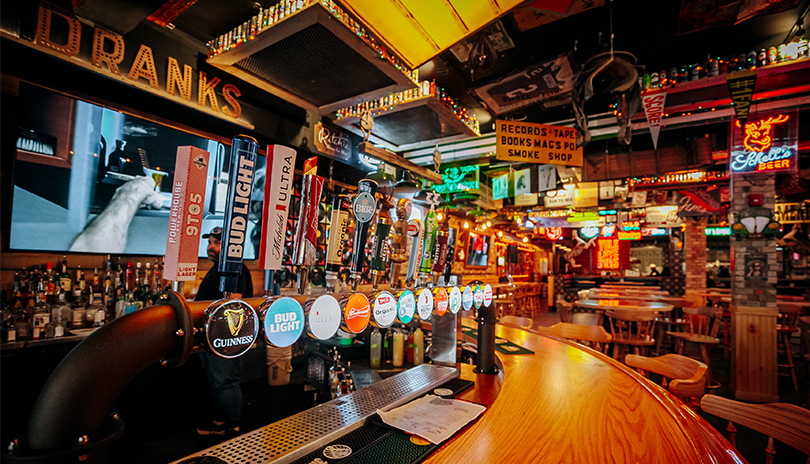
(364, 207)
(244, 150)
(278, 189)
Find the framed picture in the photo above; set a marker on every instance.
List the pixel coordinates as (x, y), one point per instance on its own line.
(478, 250)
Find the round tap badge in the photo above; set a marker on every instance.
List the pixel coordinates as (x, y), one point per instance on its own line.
(455, 300)
(467, 298)
(478, 296)
(357, 313)
(440, 296)
(364, 207)
(231, 327)
(488, 295)
(283, 322)
(406, 307)
(424, 304)
(384, 310)
(323, 317)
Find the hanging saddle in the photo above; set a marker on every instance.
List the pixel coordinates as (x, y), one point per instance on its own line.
(612, 73)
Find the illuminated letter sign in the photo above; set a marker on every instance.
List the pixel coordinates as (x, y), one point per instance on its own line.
(608, 254)
(768, 144)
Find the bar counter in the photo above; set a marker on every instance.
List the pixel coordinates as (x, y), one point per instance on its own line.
(568, 403)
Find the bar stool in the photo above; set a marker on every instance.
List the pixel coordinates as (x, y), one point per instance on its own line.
(784, 331)
(505, 302)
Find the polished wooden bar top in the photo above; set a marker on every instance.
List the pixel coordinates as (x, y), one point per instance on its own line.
(569, 404)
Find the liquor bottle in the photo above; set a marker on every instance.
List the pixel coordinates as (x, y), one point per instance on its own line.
(97, 289)
(399, 348)
(25, 290)
(388, 346)
(61, 315)
(50, 278)
(65, 279)
(418, 346)
(42, 315)
(128, 278)
(17, 286)
(409, 347)
(375, 349)
(109, 289)
(33, 280)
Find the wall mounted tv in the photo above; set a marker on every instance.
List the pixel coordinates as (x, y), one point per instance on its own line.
(73, 156)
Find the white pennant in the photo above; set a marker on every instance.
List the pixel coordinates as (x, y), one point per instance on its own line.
(654, 110)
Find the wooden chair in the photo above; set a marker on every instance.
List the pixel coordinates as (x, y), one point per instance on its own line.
(631, 328)
(787, 423)
(688, 376)
(565, 310)
(785, 330)
(597, 337)
(672, 321)
(702, 330)
(515, 321)
(533, 299)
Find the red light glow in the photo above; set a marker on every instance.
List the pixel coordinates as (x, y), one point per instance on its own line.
(758, 134)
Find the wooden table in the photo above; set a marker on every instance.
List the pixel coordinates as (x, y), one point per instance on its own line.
(569, 404)
(630, 291)
(676, 301)
(630, 285)
(786, 303)
(624, 305)
(713, 295)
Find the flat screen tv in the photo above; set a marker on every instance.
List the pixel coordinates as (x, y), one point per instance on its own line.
(72, 156)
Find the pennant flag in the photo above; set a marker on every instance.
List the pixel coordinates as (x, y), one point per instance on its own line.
(741, 87)
(654, 110)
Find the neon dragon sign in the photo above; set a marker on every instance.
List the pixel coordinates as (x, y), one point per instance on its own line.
(759, 154)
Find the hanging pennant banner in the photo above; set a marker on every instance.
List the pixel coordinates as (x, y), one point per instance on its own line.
(741, 87)
(654, 109)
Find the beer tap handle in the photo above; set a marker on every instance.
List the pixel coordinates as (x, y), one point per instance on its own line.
(336, 246)
(379, 248)
(306, 234)
(364, 207)
(244, 151)
(416, 231)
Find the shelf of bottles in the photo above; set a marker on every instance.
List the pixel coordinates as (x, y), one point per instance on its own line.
(679, 177)
(712, 67)
(48, 302)
(267, 18)
(403, 100)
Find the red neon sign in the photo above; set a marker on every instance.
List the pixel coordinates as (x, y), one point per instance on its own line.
(758, 134)
(608, 254)
(554, 233)
(635, 235)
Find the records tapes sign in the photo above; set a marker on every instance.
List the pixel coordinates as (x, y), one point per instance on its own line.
(537, 143)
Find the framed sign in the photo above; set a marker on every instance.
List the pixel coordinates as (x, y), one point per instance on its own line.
(528, 142)
(333, 142)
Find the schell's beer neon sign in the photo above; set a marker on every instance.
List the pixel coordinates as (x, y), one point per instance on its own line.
(760, 150)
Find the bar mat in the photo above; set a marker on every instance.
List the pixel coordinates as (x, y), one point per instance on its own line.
(377, 442)
(501, 344)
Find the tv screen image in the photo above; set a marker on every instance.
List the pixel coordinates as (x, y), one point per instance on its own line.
(76, 161)
(478, 250)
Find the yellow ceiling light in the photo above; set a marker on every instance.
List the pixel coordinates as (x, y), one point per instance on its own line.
(500, 234)
(525, 239)
(466, 225)
(418, 30)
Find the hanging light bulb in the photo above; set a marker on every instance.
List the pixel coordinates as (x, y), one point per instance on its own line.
(500, 233)
(466, 225)
(489, 224)
(525, 239)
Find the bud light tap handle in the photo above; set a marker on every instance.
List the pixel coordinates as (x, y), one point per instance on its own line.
(244, 150)
(363, 208)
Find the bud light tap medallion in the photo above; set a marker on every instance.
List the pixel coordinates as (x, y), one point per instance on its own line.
(283, 322)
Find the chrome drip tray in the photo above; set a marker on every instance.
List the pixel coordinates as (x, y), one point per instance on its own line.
(293, 437)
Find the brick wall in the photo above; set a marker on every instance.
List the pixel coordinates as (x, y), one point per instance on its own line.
(753, 293)
(694, 254)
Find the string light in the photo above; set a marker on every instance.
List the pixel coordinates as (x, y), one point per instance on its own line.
(466, 225)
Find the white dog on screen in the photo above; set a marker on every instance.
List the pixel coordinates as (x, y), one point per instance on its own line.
(108, 232)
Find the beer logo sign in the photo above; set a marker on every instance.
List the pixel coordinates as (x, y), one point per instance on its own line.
(406, 307)
(364, 207)
(455, 300)
(384, 311)
(478, 296)
(424, 304)
(231, 327)
(283, 321)
(357, 313)
(324, 317)
(440, 296)
(488, 296)
(467, 298)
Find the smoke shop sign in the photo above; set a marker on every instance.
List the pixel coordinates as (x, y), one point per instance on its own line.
(107, 56)
(537, 143)
(332, 142)
(769, 143)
